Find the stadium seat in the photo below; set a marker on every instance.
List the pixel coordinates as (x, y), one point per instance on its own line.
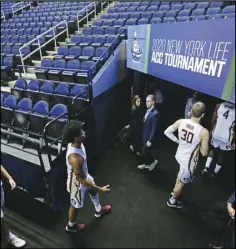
(114, 16)
(60, 94)
(98, 31)
(142, 21)
(62, 51)
(74, 53)
(135, 15)
(87, 53)
(46, 91)
(183, 18)
(156, 20)
(7, 108)
(146, 15)
(19, 87)
(86, 40)
(69, 75)
(42, 73)
(216, 4)
(98, 41)
(169, 19)
(110, 31)
(203, 5)
(32, 90)
(164, 8)
(198, 12)
(177, 7)
(132, 21)
(75, 39)
(189, 6)
(55, 74)
(97, 23)
(159, 14)
(228, 10)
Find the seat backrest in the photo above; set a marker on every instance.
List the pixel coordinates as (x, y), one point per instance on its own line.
(228, 9)
(87, 39)
(102, 51)
(164, 8)
(98, 31)
(146, 15)
(135, 15)
(41, 107)
(143, 21)
(25, 104)
(26, 50)
(47, 87)
(62, 89)
(131, 9)
(184, 12)
(87, 65)
(216, 4)
(177, 7)
(60, 63)
(87, 31)
(15, 49)
(88, 51)
(58, 110)
(33, 85)
(119, 22)
(104, 16)
(110, 30)
(156, 20)
(108, 22)
(20, 84)
(124, 16)
(203, 5)
(10, 102)
(189, 6)
(76, 39)
(213, 11)
(198, 12)
(142, 9)
(73, 64)
(47, 62)
(63, 50)
(159, 14)
(171, 13)
(75, 50)
(78, 90)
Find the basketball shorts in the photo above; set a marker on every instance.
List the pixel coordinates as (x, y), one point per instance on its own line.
(219, 144)
(2, 201)
(185, 175)
(77, 192)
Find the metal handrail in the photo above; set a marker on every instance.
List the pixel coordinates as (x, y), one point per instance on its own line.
(102, 3)
(44, 44)
(87, 14)
(22, 6)
(76, 97)
(3, 15)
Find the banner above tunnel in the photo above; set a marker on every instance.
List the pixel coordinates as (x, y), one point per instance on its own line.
(198, 54)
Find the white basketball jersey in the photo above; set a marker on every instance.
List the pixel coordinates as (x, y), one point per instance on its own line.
(189, 144)
(223, 130)
(70, 172)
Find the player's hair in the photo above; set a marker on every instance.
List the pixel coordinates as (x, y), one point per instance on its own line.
(198, 109)
(134, 105)
(72, 130)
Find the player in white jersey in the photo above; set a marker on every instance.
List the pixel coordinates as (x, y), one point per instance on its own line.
(222, 133)
(79, 181)
(192, 139)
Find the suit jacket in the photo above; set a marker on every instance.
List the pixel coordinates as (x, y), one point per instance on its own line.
(149, 126)
(231, 200)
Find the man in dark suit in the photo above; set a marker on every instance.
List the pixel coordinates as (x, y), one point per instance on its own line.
(149, 131)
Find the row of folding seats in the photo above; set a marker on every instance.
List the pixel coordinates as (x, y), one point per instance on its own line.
(43, 9)
(97, 40)
(170, 3)
(101, 31)
(67, 71)
(164, 8)
(14, 49)
(112, 18)
(53, 13)
(32, 118)
(52, 93)
(21, 39)
(56, 4)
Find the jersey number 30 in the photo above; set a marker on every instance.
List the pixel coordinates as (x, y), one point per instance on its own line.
(187, 136)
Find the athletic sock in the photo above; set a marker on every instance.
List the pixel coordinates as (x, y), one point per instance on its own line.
(208, 162)
(96, 202)
(172, 200)
(217, 168)
(71, 224)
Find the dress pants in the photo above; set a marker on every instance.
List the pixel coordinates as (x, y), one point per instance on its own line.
(146, 157)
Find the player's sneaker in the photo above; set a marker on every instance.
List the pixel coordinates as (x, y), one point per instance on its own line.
(177, 204)
(76, 228)
(16, 242)
(143, 166)
(204, 171)
(105, 210)
(153, 165)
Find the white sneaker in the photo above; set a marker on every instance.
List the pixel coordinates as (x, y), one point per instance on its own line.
(131, 148)
(153, 165)
(143, 166)
(17, 242)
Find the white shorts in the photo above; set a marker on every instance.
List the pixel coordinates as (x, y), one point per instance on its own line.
(219, 144)
(185, 175)
(2, 201)
(77, 192)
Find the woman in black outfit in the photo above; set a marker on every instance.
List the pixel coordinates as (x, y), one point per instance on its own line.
(135, 127)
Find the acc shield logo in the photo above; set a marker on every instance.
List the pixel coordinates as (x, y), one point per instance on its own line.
(136, 49)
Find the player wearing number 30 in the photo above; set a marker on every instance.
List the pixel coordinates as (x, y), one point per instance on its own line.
(222, 133)
(192, 139)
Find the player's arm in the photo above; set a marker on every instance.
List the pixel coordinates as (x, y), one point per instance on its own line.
(76, 161)
(171, 129)
(8, 176)
(205, 137)
(214, 117)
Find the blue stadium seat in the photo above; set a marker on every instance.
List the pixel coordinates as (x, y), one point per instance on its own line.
(121, 10)
(75, 39)
(132, 21)
(2, 98)
(146, 15)
(69, 75)
(23, 39)
(86, 40)
(126, 4)
(62, 51)
(119, 22)
(102, 52)
(142, 9)
(202, 5)
(228, 9)
(87, 53)
(98, 31)
(143, 21)
(198, 12)
(42, 73)
(114, 16)
(136, 4)
(108, 23)
(200, 17)
(33, 88)
(104, 16)
(131, 9)
(98, 41)
(164, 8)
(7, 109)
(216, 4)
(112, 10)
(189, 6)
(87, 65)
(110, 30)
(155, 3)
(10, 102)
(60, 94)
(159, 14)
(124, 16)
(74, 53)
(145, 3)
(135, 15)
(110, 40)
(15, 39)
(55, 74)
(216, 16)
(87, 31)
(169, 19)
(97, 23)
(152, 8)
(213, 11)
(156, 20)
(171, 13)
(165, 2)
(183, 18)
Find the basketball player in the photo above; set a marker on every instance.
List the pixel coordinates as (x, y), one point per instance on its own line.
(193, 138)
(11, 238)
(79, 181)
(222, 133)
